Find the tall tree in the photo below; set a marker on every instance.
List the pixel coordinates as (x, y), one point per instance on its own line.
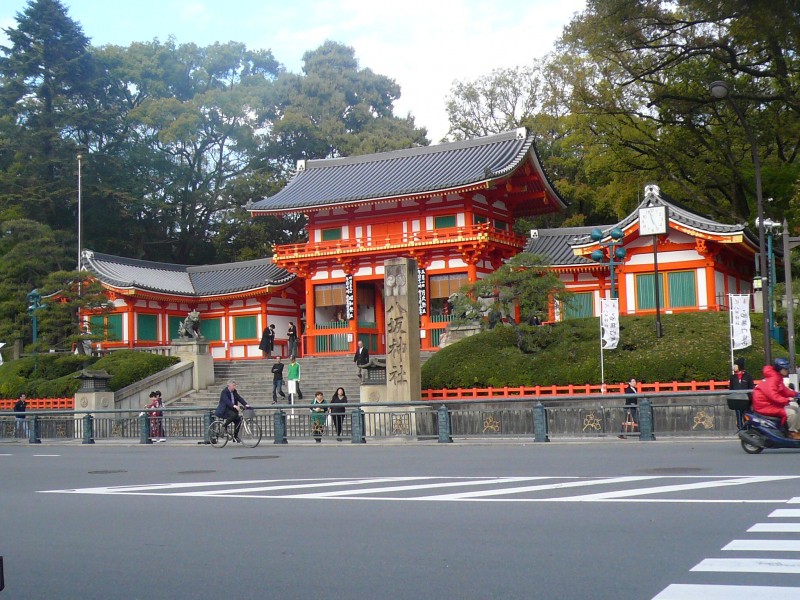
(642, 88)
(44, 74)
(335, 108)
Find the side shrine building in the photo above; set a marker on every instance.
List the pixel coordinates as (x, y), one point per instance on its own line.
(451, 207)
(699, 262)
(235, 302)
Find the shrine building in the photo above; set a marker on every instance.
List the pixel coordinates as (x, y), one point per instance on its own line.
(235, 301)
(449, 206)
(699, 262)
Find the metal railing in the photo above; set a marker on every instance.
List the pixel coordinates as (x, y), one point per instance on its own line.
(694, 414)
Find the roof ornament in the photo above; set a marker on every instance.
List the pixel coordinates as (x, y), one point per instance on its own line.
(652, 193)
(301, 166)
(521, 133)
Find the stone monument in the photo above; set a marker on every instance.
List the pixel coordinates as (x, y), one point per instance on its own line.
(403, 380)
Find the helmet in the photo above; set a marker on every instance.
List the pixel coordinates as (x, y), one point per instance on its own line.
(780, 363)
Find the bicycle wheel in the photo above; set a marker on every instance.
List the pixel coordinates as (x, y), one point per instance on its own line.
(250, 433)
(217, 434)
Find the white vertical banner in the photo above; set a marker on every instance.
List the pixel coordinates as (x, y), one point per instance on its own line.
(740, 321)
(609, 323)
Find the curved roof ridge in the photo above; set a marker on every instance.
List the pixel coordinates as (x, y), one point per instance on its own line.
(185, 280)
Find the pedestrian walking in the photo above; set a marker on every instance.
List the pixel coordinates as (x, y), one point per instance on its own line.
(277, 380)
(293, 378)
(267, 344)
(291, 337)
(20, 425)
(338, 401)
(361, 357)
(318, 413)
(631, 422)
(741, 380)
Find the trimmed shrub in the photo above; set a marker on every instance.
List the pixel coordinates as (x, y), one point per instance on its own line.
(695, 346)
(54, 375)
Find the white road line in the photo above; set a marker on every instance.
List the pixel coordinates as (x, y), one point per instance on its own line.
(536, 488)
(775, 528)
(795, 500)
(338, 483)
(403, 488)
(785, 512)
(764, 545)
(47, 455)
(682, 487)
(679, 591)
(748, 565)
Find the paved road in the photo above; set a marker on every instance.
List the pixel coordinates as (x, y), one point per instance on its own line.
(625, 520)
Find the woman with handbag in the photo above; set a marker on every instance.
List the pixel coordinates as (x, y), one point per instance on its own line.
(318, 411)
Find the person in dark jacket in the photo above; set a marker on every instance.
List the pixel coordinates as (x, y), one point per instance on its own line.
(267, 341)
(337, 411)
(21, 425)
(741, 380)
(231, 404)
(631, 422)
(361, 357)
(277, 381)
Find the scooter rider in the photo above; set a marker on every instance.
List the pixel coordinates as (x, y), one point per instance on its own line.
(771, 397)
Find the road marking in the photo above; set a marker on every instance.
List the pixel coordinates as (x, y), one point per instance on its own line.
(748, 565)
(365, 488)
(785, 512)
(680, 488)
(337, 483)
(535, 488)
(403, 488)
(678, 591)
(775, 528)
(764, 545)
(47, 455)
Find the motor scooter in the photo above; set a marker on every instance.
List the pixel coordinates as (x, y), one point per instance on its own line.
(759, 431)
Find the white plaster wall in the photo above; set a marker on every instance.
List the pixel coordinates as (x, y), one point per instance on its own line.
(630, 293)
(702, 289)
(664, 257)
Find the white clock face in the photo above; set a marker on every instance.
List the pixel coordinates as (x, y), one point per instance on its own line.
(653, 220)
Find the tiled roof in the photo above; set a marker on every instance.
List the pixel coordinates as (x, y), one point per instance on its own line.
(183, 280)
(331, 182)
(556, 245)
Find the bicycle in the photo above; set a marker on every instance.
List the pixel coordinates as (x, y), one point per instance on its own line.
(249, 433)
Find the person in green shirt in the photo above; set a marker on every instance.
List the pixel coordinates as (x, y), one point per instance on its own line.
(293, 374)
(319, 410)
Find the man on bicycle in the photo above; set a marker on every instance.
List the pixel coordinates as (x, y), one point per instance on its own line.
(229, 407)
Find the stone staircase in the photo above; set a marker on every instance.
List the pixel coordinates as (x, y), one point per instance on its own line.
(254, 380)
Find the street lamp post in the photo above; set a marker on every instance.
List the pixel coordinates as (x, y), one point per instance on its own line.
(80, 239)
(720, 91)
(616, 253)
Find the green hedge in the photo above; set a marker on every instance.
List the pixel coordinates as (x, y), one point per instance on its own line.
(695, 347)
(53, 375)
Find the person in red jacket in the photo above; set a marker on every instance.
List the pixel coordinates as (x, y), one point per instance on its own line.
(772, 398)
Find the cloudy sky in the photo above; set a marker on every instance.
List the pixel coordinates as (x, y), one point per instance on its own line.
(424, 45)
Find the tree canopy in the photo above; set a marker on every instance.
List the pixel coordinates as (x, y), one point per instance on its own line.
(174, 140)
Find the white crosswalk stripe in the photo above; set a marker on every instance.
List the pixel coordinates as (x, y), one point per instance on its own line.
(744, 565)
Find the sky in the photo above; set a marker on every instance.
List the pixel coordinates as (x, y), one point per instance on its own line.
(424, 45)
